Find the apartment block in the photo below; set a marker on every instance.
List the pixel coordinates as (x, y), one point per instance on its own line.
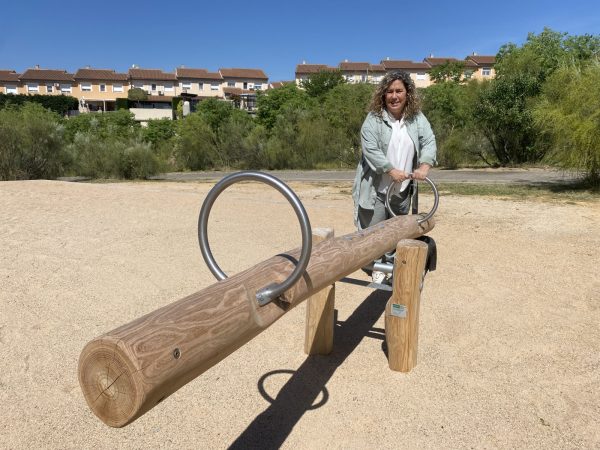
(99, 89)
(46, 81)
(199, 82)
(475, 66)
(9, 82)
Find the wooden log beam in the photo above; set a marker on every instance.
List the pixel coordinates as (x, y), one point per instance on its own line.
(129, 370)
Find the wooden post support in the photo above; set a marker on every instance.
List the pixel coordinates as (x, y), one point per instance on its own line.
(402, 310)
(318, 336)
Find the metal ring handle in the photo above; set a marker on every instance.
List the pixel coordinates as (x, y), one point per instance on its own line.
(427, 216)
(272, 291)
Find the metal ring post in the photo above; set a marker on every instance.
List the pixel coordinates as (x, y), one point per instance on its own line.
(428, 216)
(272, 291)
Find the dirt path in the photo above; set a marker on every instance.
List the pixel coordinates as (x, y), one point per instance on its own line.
(508, 346)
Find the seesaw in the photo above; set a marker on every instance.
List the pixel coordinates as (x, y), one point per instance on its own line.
(129, 370)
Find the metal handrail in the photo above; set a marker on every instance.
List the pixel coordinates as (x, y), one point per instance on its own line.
(274, 290)
(427, 216)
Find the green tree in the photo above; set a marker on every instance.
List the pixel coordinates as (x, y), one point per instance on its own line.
(543, 53)
(195, 144)
(318, 84)
(31, 143)
(449, 107)
(137, 95)
(345, 109)
(448, 71)
(503, 115)
(269, 103)
(569, 115)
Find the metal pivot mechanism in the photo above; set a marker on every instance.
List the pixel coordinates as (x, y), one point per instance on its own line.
(427, 216)
(272, 291)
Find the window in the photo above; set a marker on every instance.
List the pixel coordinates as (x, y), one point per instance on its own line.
(186, 85)
(49, 89)
(200, 86)
(153, 86)
(231, 83)
(32, 87)
(86, 87)
(168, 87)
(421, 76)
(117, 88)
(258, 86)
(65, 88)
(10, 89)
(245, 85)
(214, 86)
(102, 88)
(468, 74)
(138, 85)
(486, 71)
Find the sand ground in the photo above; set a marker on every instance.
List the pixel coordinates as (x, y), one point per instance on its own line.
(509, 345)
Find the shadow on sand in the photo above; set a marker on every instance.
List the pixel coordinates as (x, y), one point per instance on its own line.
(271, 428)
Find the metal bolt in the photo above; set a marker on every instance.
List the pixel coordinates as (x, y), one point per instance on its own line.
(176, 353)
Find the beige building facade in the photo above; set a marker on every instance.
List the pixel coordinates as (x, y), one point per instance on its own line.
(475, 66)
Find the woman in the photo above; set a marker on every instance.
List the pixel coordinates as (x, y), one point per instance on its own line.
(397, 141)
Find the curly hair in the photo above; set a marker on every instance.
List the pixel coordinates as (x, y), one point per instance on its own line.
(413, 102)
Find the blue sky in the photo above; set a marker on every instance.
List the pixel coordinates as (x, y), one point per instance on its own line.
(273, 36)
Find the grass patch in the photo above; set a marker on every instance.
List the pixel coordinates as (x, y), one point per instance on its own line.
(567, 192)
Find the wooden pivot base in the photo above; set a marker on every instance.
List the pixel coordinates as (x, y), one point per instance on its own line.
(402, 310)
(318, 336)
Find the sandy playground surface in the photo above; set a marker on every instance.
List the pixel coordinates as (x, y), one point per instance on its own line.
(509, 345)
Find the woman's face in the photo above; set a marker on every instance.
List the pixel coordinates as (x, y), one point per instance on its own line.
(395, 98)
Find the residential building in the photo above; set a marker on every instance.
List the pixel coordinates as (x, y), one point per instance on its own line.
(469, 67)
(304, 71)
(485, 66)
(46, 81)
(154, 81)
(9, 82)
(418, 71)
(199, 82)
(99, 89)
(240, 86)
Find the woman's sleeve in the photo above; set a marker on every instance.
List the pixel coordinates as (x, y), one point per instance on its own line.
(427, 143)
(371, 153)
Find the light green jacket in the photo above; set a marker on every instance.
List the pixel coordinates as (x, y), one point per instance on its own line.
(375, 135)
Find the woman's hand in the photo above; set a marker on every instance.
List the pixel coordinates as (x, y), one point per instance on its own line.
(398, 175)
(421, 172)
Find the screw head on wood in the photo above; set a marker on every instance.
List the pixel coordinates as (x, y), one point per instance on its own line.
(176, 353)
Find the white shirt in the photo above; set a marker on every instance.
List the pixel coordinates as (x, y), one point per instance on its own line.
(400, 154)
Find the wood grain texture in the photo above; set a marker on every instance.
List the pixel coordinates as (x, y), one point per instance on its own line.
(318, 334)
(402, 309)
(129, 370)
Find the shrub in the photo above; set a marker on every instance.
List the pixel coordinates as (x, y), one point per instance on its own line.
(31, 143)
(60, 104)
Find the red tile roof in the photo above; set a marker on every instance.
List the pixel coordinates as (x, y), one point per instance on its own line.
(402, 64)
(243, 73)
(377, 68)
(200, 74)
(100, 75)
(151, 74)
(354, 66)
(46, 75)
(312, 68)
(482, 60)
(9, 76)
(433, 62)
